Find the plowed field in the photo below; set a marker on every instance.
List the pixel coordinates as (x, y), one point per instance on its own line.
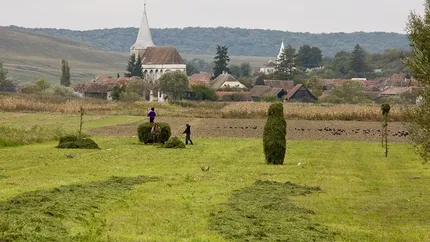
(253, 128)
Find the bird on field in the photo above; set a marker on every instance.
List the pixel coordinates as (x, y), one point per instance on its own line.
(70, 156)
(205, 169)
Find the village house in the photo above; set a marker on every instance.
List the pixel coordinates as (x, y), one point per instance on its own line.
(100, 87)
(300, 94)
(258, 92)
(200, 79)
(268, 68)
(226, 81)
(286, 85)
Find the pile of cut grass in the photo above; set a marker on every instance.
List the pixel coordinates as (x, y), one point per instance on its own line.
(264, 212)
(12, 137)
(48, 215)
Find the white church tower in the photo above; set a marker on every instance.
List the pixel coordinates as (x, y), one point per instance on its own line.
(144, 37)
(156, 60)
(280, 52)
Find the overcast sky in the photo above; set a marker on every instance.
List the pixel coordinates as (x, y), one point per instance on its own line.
(315, 16)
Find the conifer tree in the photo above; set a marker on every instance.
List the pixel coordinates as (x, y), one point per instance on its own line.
(131, 66)
(3, 73)
(287, 61)
(221, 60)
(274, 137)
(65, 73)
(358, 60)
(138, 69)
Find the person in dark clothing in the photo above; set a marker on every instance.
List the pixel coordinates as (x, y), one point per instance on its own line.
(152, 115)
(188, 134)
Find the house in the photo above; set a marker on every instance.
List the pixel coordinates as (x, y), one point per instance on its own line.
(156, 61)
(286, 85)
(268, 68)
(300, 94)
(258, 92)
(200, 79)
(100, 87)
(395, 91)
(226, 81)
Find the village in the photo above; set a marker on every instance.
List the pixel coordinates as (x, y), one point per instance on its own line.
(157, 61)
(252, 130)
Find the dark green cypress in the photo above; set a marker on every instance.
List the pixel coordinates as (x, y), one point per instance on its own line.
(274, 137)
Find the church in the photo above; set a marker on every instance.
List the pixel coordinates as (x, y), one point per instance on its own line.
(156, 60)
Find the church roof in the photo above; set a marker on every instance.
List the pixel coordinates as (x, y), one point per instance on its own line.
(162, 56)
(144, 37)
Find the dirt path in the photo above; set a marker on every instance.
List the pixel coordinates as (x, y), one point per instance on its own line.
(253, 128)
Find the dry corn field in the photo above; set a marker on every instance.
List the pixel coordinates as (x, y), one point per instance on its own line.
(241, 110)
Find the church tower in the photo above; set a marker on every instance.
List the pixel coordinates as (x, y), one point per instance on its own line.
(144, 38)
(280, 52)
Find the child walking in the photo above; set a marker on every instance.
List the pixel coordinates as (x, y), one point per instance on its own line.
(188, 134)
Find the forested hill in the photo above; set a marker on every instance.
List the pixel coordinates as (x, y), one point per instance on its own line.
(241, 42)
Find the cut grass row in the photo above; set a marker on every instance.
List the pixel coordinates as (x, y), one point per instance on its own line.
(364, 196)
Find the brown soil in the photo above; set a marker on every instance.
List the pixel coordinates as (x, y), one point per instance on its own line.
(253, 128)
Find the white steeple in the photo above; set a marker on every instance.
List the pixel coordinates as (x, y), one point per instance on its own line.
(281, 50)
(144, 38)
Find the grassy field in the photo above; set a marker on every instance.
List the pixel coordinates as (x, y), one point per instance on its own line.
(29, 57)
(343, 191)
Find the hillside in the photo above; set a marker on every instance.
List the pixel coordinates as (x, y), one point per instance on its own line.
(241, 42)
(32, 56)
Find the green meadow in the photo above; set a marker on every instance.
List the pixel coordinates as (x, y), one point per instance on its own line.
(217, 190)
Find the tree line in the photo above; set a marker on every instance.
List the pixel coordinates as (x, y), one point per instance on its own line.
(242, 42)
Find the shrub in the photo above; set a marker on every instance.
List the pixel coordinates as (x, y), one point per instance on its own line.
(203, 93)
(174, 143)
(275, 131)
(74, 142)
(269, 98)
(145, 136)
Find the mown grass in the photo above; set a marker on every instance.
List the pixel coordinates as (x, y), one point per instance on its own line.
(249, 215)
(364, 196)
(66, 213)
(240, 110)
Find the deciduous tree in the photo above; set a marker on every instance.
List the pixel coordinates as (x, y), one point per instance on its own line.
(175, 84)
(314, 86)
(418, 29)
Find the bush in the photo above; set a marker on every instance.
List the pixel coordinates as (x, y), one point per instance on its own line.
(203, 93)
(270, 98)
(74, 142)
(145, 136)
(274, 140)
(174, 143)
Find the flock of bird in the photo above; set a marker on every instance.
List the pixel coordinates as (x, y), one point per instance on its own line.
(338, 132)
